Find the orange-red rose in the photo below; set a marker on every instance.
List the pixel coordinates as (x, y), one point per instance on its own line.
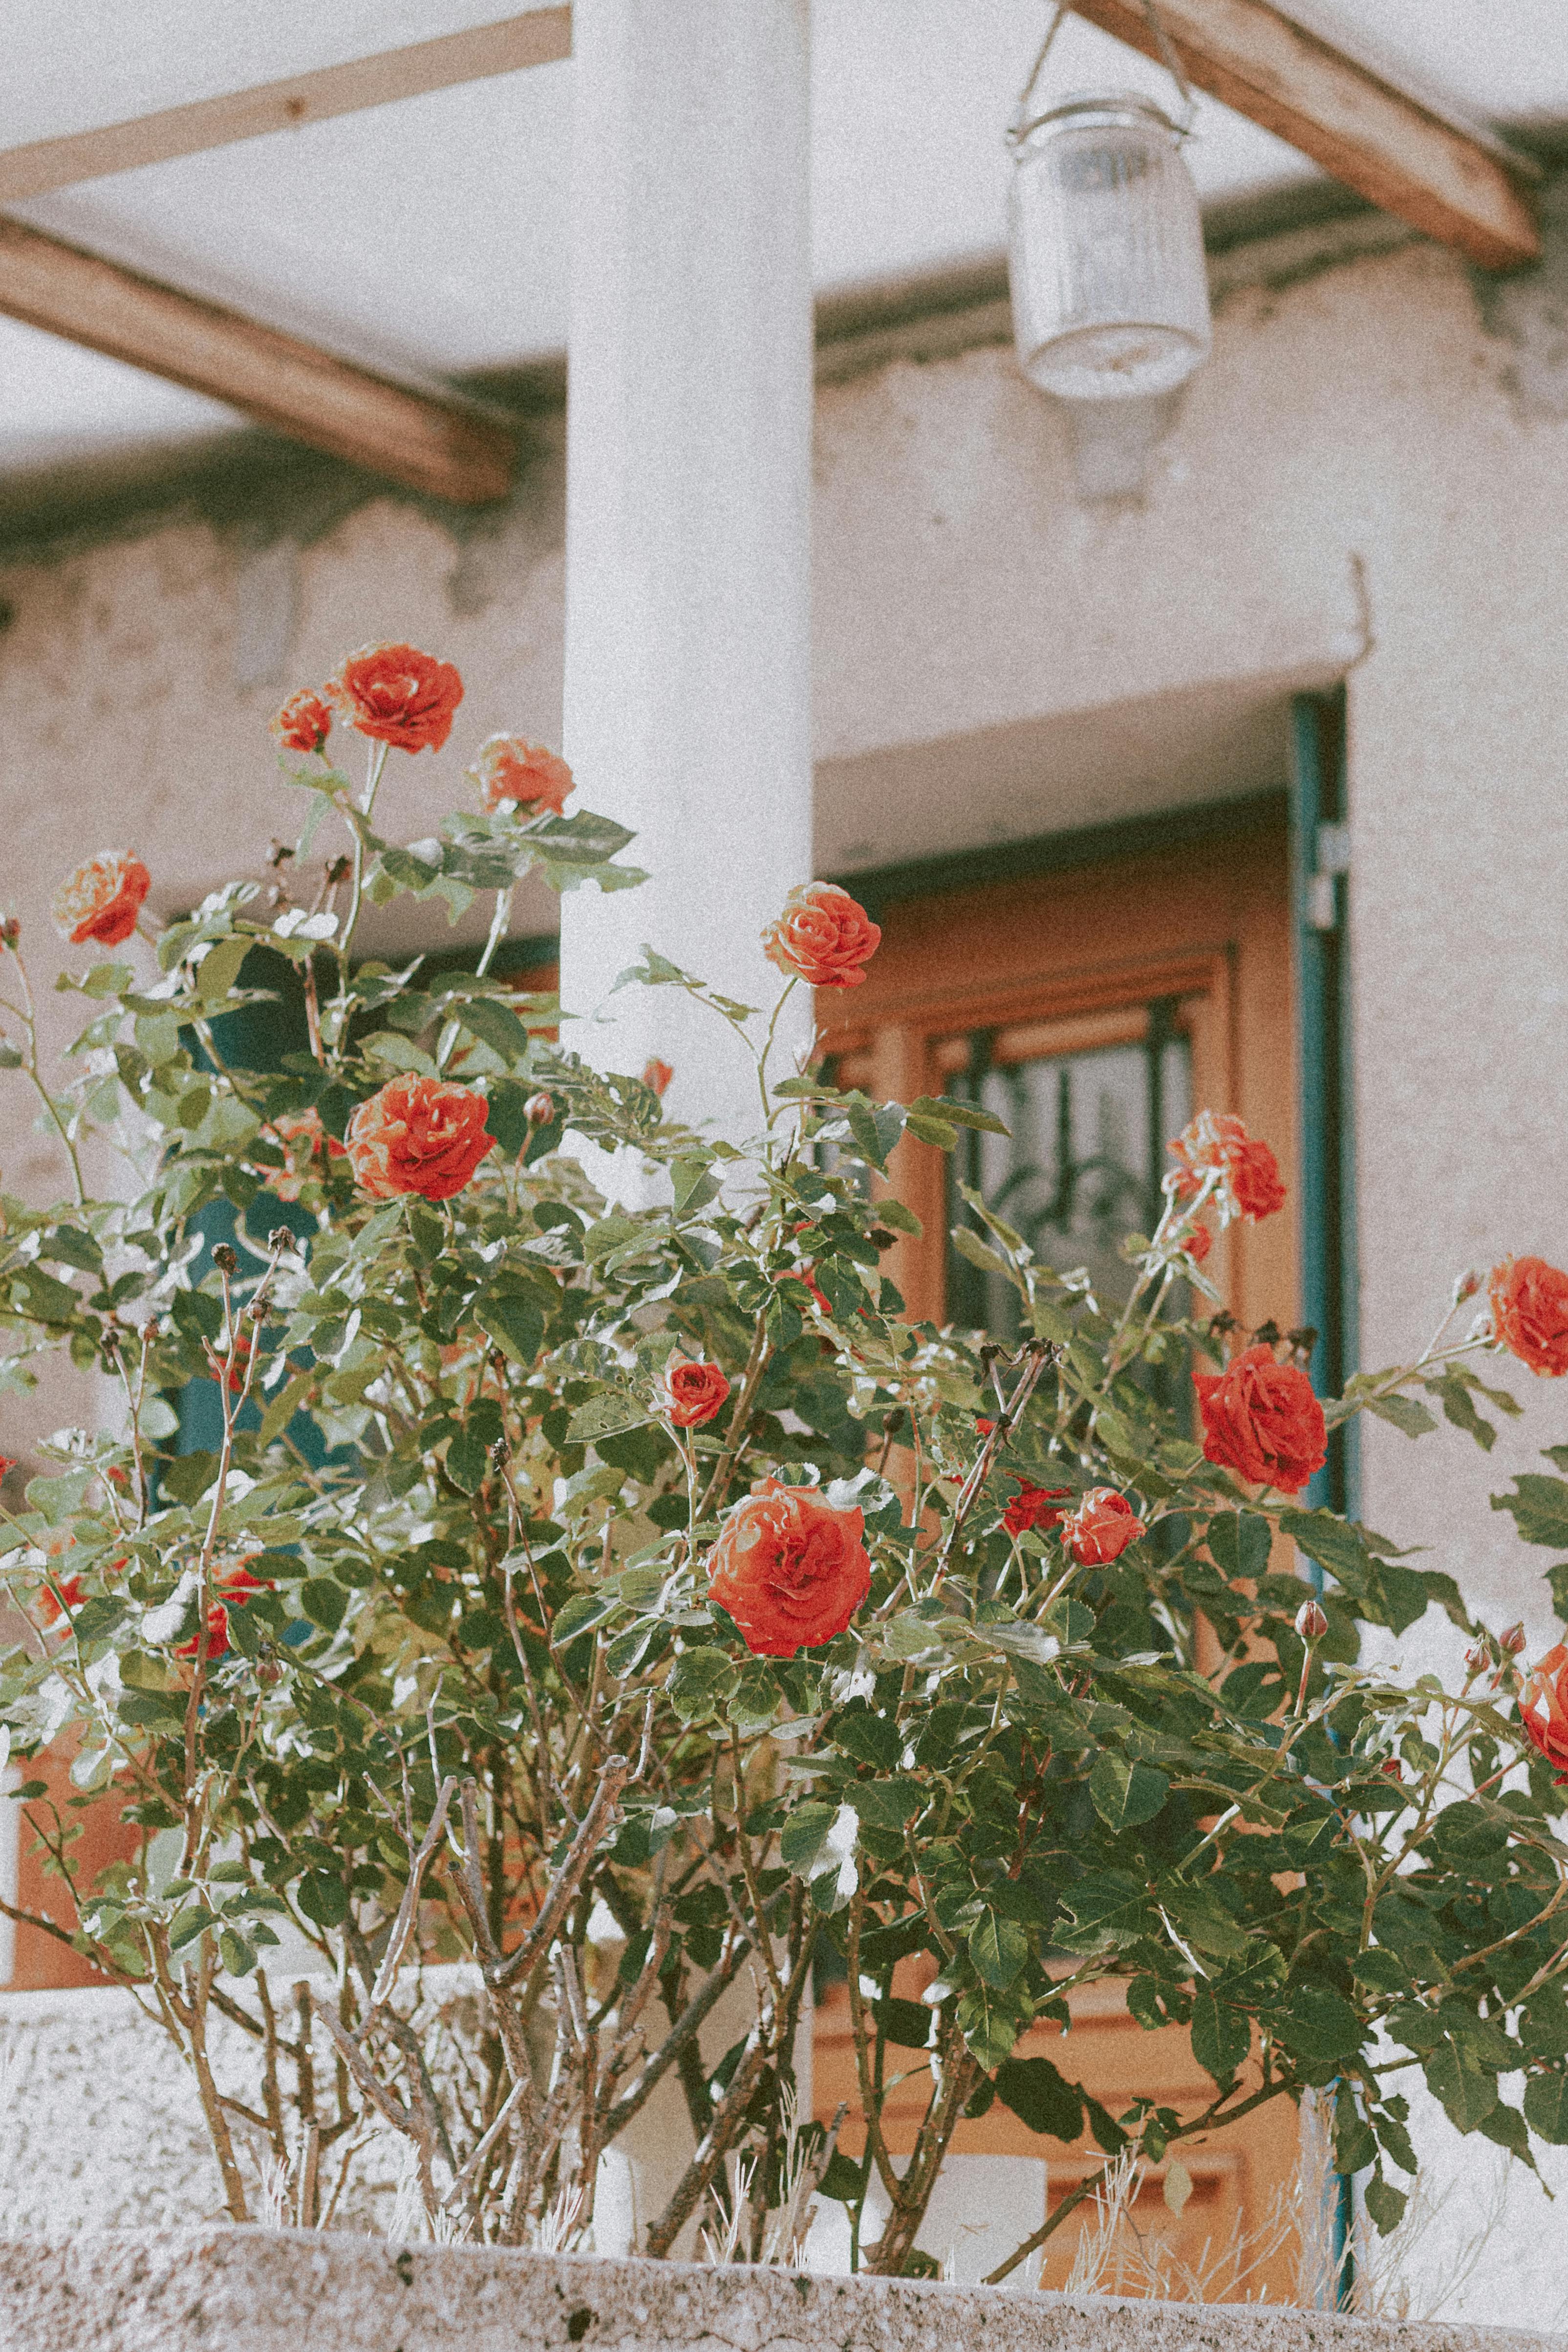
(790, 1568)
(656, 1075)
(823, 935)
(103, 898)
(1032, 1506)
(507, 769)
(1544, 1710)
(395, 694)
(1101, 1527)
(304, 721)
(1214, 1143)
(1199, 1243)
(71, 1590)
(692, 1393)
(236, 1588)
(1529, 1301)
(418, 1135)
(1261, 1419)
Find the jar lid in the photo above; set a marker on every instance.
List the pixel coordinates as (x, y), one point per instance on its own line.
(1091, 109)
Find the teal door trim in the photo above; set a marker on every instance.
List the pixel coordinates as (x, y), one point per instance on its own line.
(1319, 883)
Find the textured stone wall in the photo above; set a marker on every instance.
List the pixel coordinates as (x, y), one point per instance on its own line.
(257, 2290)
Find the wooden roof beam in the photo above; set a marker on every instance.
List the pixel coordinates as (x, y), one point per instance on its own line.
(538, 36)
(428, 440)
(1388, 146)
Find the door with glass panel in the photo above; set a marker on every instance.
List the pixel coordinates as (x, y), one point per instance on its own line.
(1092, 1008)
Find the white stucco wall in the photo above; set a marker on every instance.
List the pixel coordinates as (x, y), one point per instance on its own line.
(1371, 479)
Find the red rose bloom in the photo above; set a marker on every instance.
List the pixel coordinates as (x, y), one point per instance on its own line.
(1529, 1302)
(1215, 1143)
(823, 935)
(507, 769)
(692, 1393)
(1199, 1243)
(101, 899)
(1261, 1419)
(656, 1075)
(1544, 1710)
(236, 1588)
(1101, 1527)
(1033, 1507)
(790, 1569)
(418, 1135)
(395, 694)
(72, 1591)
(304, 721)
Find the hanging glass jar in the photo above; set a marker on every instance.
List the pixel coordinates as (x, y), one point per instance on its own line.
(1105, 258)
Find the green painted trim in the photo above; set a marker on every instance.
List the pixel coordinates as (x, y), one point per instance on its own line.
(880, 886)
(1325, 1083)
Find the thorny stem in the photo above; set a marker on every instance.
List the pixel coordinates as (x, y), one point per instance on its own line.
(768, 1114)
(28, 1019)
(378, 761)
(230, 1404)
(724, 1470)
(1036, 1355)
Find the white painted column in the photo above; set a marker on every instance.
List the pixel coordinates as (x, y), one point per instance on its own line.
(687, 711)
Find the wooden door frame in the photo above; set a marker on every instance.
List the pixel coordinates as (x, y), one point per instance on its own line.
(1063, 934)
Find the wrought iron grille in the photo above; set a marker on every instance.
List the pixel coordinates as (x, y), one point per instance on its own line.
(1081, 1166)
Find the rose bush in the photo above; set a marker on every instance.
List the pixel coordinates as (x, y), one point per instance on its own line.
(634, 1605)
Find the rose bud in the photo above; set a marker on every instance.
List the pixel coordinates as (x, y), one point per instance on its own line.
(1478, 1657)
(10, 933)
(1311, 1622)
(1465, 1285)
(692, 1394)
(539, 1110)
(1514, 1640)
(1392, 1768)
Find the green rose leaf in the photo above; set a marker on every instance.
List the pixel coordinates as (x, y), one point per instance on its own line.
(1385, 2204)
(1466, 2089)
(1126, 1794)
(1031, 2089)
(1546, 2106)
(1317, 2022)
(1540, 1508)
(1222, 2036)
(999, 1949)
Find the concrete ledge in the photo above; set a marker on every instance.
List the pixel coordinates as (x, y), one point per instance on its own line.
(290, 2291)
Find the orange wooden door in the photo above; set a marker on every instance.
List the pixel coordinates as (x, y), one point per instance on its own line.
(1073, 967)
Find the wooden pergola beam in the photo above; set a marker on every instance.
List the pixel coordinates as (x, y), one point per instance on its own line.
(537, 37)
(428, 441)
(1374, 137)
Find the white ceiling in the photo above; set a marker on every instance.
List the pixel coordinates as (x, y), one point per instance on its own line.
(431, 236)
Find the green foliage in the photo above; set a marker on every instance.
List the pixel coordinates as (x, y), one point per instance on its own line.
(478, 1681)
